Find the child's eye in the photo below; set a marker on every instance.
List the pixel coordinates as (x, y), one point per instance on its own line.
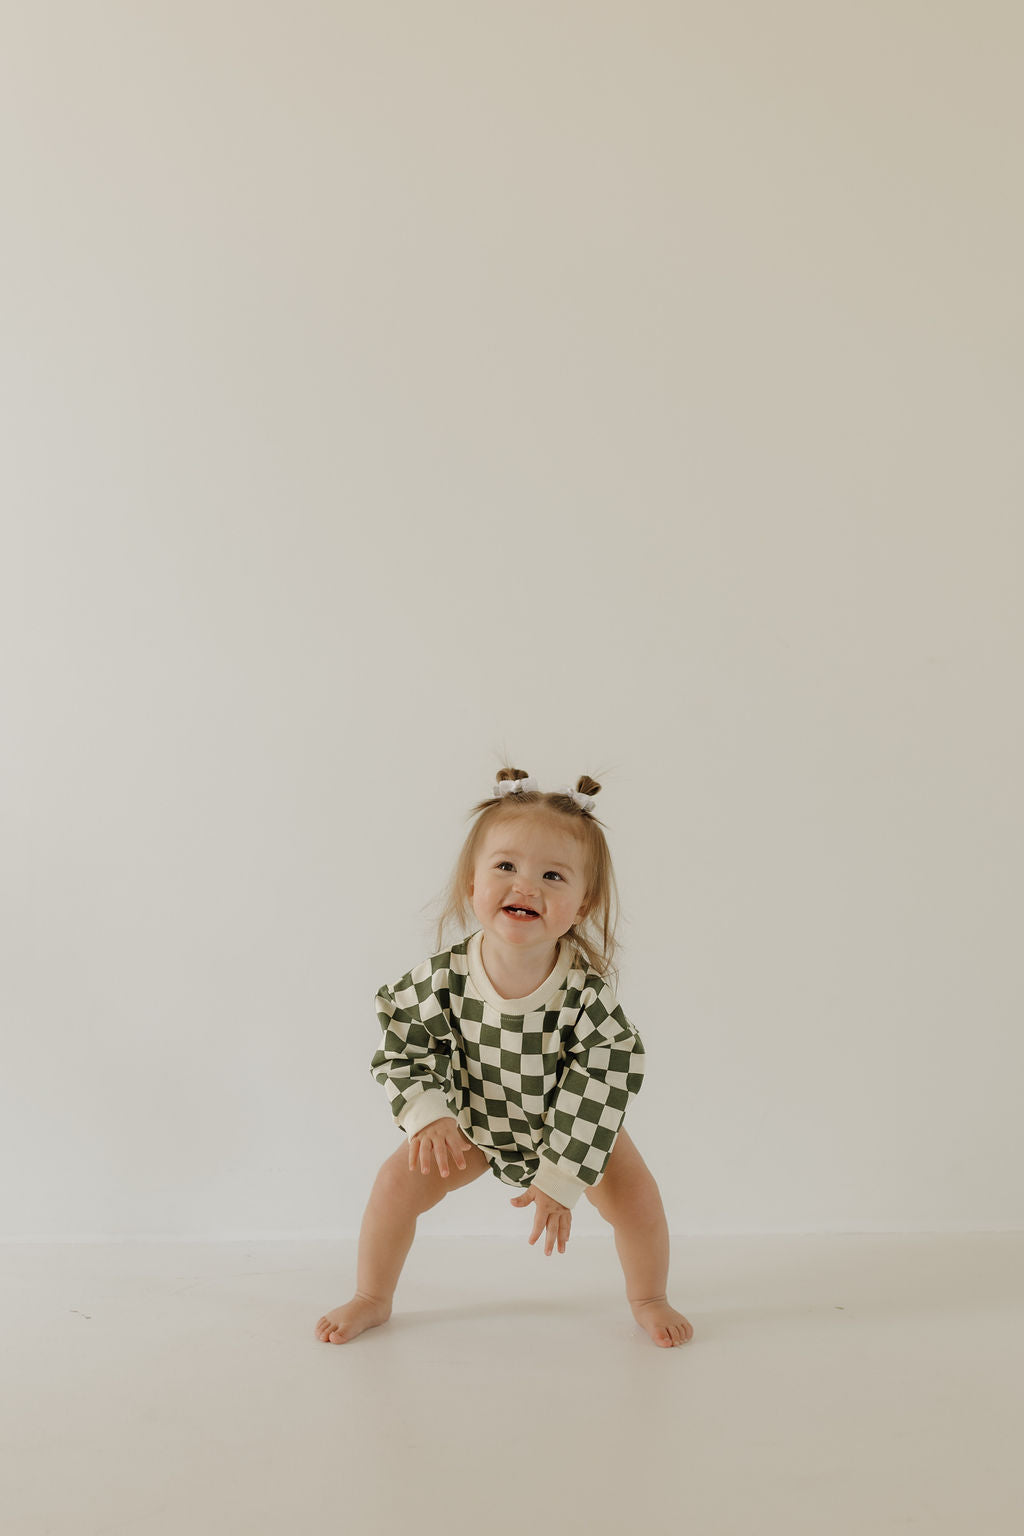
(509, 863)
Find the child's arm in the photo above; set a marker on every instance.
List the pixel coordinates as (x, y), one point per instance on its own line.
(603, 1071)
(412, 1064)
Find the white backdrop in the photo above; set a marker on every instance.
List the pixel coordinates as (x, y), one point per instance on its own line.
(636, 388)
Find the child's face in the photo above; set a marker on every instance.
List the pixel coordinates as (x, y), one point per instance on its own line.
(528, 862)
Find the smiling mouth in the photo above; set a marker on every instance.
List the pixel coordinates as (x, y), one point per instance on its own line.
(519, 914)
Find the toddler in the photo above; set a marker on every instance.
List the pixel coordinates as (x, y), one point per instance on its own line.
(510, 1051)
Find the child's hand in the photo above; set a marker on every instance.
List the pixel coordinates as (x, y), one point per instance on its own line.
(436, 1140)
(550, 1215)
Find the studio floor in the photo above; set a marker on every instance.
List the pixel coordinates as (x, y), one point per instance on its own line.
(848, 1385)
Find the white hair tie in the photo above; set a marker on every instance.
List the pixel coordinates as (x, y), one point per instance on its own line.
(586, 801)
(518, 786)
(513, 786)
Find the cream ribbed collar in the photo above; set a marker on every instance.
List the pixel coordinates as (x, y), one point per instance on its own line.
(481, 985)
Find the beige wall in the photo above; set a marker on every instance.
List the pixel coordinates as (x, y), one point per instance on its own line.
(634, 386)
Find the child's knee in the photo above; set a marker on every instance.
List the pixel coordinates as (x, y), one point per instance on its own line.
(630, 1195)
(418, 1191)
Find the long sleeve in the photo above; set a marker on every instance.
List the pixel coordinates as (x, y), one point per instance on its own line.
(603, 1071)
(413, 1064)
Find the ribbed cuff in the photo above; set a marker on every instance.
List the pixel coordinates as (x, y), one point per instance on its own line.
(560, 1186)
(425, 1107)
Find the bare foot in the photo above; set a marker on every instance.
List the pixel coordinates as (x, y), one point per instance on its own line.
(346, 1322)
(665, 1325)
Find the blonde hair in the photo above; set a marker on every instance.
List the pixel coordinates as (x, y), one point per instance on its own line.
(594, 936)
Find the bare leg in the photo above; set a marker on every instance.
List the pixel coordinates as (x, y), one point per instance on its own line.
(642, 1244)
(628, 1197)
(399, 1196)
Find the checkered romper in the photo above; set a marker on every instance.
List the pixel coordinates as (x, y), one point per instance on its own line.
(541, 1090)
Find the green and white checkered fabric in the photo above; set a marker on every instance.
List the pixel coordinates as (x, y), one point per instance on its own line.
(543, 1093)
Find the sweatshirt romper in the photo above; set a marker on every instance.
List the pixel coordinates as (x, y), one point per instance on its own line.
(540, 1084)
